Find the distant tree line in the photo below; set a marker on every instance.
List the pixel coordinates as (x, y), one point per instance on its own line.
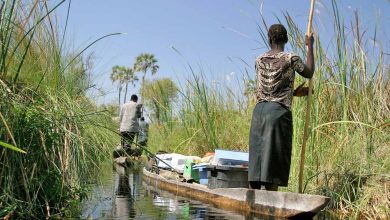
(156, 94)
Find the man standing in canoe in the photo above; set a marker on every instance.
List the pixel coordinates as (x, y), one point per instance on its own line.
(270, 140)
(128, 119)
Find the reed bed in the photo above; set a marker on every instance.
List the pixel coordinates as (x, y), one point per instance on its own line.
(45, 112)
(348, 147)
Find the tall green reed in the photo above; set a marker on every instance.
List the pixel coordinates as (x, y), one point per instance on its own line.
(202, 121)
(348, 147)
(44, 103)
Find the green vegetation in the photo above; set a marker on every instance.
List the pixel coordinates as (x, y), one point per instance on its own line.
(348, 149)
(123, 75)
(45, 112)
(146, 62)
(158, 96)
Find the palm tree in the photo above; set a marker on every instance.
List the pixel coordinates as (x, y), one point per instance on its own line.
(145, 62)
(117, 75)
(129, 77)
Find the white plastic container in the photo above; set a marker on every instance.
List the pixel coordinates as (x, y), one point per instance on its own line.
(177, 161)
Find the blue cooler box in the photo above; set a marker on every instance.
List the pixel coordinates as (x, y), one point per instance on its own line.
(202, 171)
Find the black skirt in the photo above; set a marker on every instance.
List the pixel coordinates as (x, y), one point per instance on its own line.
(270, 143)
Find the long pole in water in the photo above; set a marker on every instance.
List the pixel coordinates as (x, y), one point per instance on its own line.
(308, 109)
(143, 148)
(155, 156)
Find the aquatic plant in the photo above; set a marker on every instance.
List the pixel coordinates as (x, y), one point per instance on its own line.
(348, 147)
(47, 114)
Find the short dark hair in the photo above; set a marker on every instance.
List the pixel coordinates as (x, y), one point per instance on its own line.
(134, 98)
(142, 119)
(277, 34)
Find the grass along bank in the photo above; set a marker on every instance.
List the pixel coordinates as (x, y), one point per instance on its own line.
(45, 111)
(348, 148)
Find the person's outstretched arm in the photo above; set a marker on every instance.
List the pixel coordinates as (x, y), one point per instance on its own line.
(308, 71)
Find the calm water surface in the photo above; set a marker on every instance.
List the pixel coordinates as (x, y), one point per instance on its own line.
(121, 194)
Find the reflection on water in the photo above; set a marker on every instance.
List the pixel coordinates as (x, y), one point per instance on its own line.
(183, 208)
(121, 194)
(123, 204)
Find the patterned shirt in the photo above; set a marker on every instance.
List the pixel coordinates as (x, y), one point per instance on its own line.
(275, 77)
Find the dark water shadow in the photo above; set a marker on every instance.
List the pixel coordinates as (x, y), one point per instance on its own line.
(123, 203)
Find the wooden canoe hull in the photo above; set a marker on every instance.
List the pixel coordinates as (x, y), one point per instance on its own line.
(128, 161)
(246, 201)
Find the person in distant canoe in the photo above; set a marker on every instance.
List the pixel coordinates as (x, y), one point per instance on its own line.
(143, 132)
(128, 119)
(271, 131)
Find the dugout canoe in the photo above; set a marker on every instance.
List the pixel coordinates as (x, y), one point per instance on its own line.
(242, 200)
(130, 162)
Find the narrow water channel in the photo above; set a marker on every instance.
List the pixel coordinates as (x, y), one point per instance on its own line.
(120, 193)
